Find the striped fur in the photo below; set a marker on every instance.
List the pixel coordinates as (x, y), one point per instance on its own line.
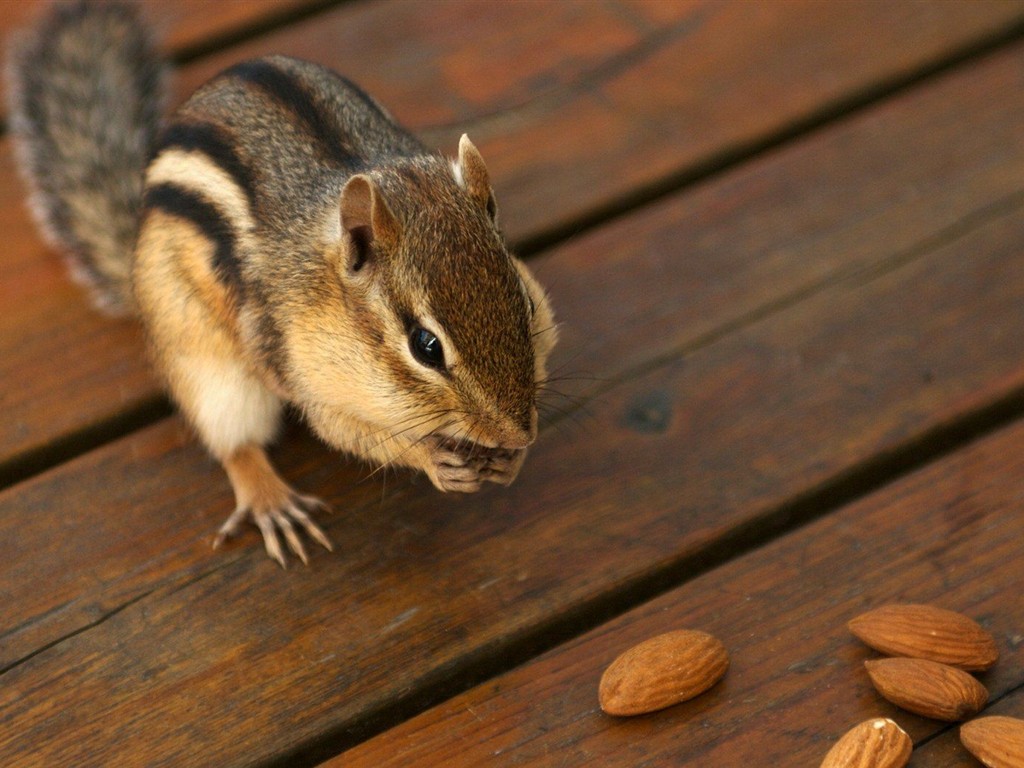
(268, 147)
(292, 94)
(211, 141)
(183, 203)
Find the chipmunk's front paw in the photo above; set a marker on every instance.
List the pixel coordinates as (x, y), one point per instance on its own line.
(450, 470)
(504, 465)
(465, 467)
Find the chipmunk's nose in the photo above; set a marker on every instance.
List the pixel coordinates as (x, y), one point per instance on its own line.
(523, 434)
(531, 429)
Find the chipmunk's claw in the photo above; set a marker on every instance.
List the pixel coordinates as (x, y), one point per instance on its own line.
(277, 521)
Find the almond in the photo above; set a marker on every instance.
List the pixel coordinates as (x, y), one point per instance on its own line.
(998, 742)
(878, 743)
(662, 671)
(927, 632)
(928, 688)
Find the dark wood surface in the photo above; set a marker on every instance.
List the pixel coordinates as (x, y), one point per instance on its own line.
(788, 267)
(796, 680)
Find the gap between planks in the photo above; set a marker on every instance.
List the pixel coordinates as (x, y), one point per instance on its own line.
(272, 21)
(79, 442)
(927, 750)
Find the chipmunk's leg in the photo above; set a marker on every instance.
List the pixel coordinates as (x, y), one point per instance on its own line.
(190, 314)
(236, 416)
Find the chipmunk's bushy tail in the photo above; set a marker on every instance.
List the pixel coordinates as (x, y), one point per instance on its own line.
(85, 92)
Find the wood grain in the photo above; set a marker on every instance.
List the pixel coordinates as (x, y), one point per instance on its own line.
(250, 664)
(575, 105)
(65, 371)
(948, 535)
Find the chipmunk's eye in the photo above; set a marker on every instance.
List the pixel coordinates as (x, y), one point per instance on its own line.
(426, 348)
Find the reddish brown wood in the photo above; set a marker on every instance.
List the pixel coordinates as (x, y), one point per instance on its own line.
(453, 61)
(557, 115)
(184, 24)
(756, 338)
(576, 104)
(948, 535)
(181, 25)
(223, 658)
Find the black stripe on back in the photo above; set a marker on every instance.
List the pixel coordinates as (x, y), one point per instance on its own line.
(176, 201)
(293, 95)
(213, 142)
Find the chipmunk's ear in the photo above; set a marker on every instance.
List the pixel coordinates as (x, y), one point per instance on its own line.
(367, 220)
(472, 174)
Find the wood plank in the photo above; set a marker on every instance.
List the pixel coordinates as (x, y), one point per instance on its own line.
(948, 534)
(573, 108)
(64, 371)
(249, 663)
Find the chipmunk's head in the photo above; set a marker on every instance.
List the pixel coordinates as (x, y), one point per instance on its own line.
(453, 331)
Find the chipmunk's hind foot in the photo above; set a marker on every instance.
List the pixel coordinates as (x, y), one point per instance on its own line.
(274, 507)
(275, 521)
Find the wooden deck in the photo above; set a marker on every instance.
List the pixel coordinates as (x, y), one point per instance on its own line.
(785, 240)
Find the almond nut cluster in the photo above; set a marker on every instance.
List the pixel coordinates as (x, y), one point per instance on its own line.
(931, 654)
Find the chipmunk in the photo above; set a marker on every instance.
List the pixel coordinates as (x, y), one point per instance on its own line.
(284, 241)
